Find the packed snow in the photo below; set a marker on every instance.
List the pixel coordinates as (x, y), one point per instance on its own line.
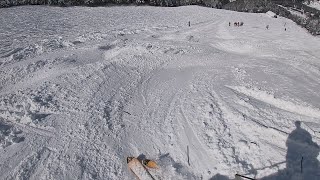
(82, 88)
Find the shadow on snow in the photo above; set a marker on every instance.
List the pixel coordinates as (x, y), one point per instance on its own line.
(301, 158)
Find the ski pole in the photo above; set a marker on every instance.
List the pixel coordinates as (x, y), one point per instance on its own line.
(301, 164)
(245, 177)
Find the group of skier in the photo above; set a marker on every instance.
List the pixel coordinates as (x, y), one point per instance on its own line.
(237, 24)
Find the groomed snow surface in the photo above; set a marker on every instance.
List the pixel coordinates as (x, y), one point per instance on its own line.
(82, 88)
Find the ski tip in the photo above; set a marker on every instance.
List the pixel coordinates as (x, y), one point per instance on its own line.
(129, 159)
(150, 163)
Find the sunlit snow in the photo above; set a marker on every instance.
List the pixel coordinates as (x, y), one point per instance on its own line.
(82, 88)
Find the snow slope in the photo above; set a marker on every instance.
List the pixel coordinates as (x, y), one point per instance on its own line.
(82, 88)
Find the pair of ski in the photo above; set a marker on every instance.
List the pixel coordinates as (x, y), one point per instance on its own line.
(141, 169)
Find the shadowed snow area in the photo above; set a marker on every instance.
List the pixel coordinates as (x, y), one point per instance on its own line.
(82, 88)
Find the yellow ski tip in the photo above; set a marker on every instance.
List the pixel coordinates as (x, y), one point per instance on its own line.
(150, 163)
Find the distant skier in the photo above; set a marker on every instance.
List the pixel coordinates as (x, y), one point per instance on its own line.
(267, 27)
(229, 23)
(189, 23)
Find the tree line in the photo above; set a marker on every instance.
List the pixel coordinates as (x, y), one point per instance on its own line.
(168, 3)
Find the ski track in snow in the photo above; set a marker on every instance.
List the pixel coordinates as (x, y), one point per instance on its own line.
(82, 88)
(281, 104)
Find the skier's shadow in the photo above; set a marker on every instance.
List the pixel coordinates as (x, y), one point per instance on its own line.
(301, 158)
(141, 157)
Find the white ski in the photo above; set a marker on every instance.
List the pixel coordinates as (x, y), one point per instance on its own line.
(138, 169)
